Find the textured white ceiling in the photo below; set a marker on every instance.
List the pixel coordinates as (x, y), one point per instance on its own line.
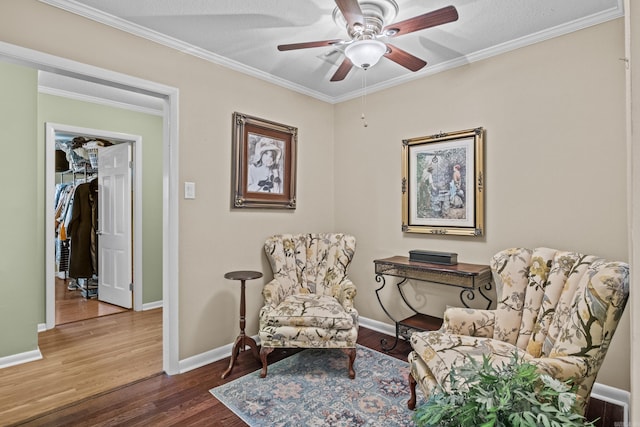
(243, 34)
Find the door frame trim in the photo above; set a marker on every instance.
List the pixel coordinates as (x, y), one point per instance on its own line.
(170, 189)
(136, 141)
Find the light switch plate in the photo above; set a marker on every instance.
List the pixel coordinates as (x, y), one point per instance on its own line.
(189, 190)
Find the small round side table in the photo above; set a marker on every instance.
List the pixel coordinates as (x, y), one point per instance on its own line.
(242, 339)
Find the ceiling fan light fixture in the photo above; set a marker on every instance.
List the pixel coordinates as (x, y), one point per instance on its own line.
(365, 53)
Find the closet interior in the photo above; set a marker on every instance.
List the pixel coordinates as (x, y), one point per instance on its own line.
(76, 212)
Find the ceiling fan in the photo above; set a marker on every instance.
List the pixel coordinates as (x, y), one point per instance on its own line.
(365, 23)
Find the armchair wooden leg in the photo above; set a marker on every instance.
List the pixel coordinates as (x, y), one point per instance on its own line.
(411, 403)
(264, 352)
(351, 352)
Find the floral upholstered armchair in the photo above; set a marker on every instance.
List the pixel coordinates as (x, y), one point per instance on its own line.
(309, 302)
(557, 309)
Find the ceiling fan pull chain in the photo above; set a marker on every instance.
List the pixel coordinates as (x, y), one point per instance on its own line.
(364, 97)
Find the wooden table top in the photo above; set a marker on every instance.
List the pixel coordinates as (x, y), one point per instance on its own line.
(243, 275)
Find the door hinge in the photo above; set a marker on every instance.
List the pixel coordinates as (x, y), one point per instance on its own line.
(130, 164)
(131, 287)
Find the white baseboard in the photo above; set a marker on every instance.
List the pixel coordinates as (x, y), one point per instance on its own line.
(42, 327)
(19, 358)
(152, 305)
(614, 396)
(199, 360)
(383, 328)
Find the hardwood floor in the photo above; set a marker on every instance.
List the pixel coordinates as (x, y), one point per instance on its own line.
(71, 306)
(80, 360)
(162, 400)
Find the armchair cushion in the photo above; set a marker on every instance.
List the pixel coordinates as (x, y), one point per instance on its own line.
(320, 311)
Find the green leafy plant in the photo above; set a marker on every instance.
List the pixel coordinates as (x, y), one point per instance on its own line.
(511, 394)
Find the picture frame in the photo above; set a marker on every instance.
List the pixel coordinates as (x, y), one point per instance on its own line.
(443, 183)
(264, 163)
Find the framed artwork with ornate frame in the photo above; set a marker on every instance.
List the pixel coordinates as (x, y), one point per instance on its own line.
(443, 183)
(264, 163)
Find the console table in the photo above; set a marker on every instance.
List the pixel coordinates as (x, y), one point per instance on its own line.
(469, 277)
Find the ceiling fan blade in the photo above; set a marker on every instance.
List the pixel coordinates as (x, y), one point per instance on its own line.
(351, 11)
(403, 58)
(343, 70)
(305, 45)
(420, 22)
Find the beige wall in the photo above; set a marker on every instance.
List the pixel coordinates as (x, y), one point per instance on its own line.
(555, 160)
(213, 239)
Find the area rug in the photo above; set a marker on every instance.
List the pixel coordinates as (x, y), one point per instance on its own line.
(312, 388)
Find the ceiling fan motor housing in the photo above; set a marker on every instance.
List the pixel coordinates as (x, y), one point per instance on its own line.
(375, 13)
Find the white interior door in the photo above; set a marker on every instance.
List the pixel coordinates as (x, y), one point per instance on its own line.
(114, 225)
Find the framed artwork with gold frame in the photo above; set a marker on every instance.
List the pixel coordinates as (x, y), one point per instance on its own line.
(443, 183)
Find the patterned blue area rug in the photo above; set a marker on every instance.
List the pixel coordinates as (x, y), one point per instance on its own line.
(312, 388)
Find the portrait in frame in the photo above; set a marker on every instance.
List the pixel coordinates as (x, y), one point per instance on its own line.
(443, 183)
(264, 163)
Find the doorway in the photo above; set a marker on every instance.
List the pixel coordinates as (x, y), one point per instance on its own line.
(170, 190)
(107, 281)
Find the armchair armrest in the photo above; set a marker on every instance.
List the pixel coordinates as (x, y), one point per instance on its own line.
(273, 293)
(469, 321)
(562, 368)
(345, 292)
(566, 368)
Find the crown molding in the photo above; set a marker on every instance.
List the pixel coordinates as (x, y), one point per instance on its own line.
(137, 30)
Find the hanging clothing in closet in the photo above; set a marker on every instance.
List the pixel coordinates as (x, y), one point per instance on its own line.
(77, 212)
(63, 201)
(82, 229)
